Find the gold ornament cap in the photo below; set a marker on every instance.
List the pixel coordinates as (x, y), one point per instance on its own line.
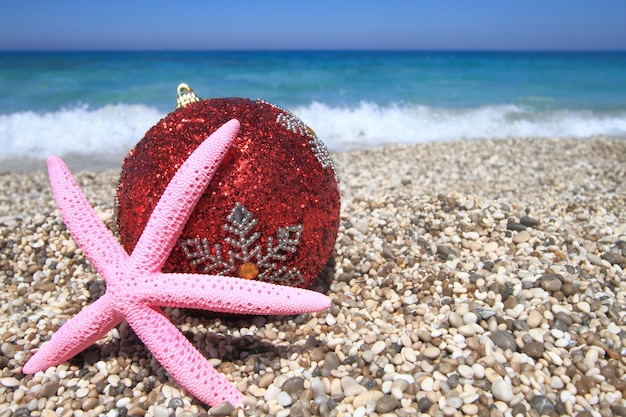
(186, 96)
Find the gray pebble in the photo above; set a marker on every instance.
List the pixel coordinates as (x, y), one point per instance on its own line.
(175, 403)
(445, 252)
(387, 403)
(317, 386)
(453, 380)
(297, 410)
(564, 318)
(551, 282)
(534, 349)
(49, 389)
(293, 385)
(519, 410)
(541, 404)
(485, 313)
(8, 350)
(521, 325)
(504, 340)
(528, 221)
(559, 325)
(331, 362)
(21, 412)
(223, 409)
(619, 410)
(424, 404)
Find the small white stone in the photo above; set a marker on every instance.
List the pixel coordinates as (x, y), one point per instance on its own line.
(158, 411)
(479, 371)
(408, 354)
(491, 247)
(467, 330)
(378, 347)
(465, 371)
(502, 390)
(82, 392)
(10, 381)
(427, 384)
(359, 412)
(470, 318)
(351, 387)
(122, 402)
(283, 398)
(271, 392)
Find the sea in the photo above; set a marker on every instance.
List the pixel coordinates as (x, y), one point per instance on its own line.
(92, 107)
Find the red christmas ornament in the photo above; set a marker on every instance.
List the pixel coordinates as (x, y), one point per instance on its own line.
(271, 211)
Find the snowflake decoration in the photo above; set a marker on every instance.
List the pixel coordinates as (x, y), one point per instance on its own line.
(292, 123)
(247, 259)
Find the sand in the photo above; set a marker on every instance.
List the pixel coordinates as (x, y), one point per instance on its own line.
(469, 278)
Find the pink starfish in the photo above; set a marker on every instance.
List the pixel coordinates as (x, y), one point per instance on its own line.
(136, 289)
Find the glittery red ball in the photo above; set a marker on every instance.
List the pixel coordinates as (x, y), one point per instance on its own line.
(271, 211)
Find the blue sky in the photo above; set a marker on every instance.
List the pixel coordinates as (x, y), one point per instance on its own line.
(321, 24)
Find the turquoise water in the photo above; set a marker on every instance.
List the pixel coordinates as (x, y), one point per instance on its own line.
(89, 103)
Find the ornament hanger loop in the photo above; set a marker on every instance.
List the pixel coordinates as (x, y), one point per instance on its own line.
(186, 96)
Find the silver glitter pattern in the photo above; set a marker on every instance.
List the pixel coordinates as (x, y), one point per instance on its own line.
(243, 240)
(292, 123)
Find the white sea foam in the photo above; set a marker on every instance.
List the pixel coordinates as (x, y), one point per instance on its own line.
(370, 125)
(93, 134)
(81, 132)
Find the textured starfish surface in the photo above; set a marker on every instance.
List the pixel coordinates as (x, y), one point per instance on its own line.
(136, 289)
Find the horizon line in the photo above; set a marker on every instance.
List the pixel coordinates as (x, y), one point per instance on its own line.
(167, 50)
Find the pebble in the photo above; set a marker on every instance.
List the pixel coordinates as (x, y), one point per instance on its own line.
(331, 362)
(386, 404)
(378, 347)
(465, 371)
(423, 404)
(427, 384)
(223, 409)
(551, 282)
(431, 352)
(502, 390)
(541, 404)
(89, 403)
(398, 387)
(534, 349)
(455, 319)
(8, 350)
(159, 411)
(284, 399)
(504, 340)
(369, 396)
(50, 388)
(469, 409)
(175, 403)
(534, 319)
(521, 237)
(10, 382)
(266, 379)
(293, 385)
(351, 387)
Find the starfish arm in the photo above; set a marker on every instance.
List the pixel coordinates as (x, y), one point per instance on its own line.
(90, 233)
(180, 358)
(180, 198)
(80, 332)
(229, 295)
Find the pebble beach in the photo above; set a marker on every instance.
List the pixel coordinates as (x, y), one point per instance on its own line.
(469, 278)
